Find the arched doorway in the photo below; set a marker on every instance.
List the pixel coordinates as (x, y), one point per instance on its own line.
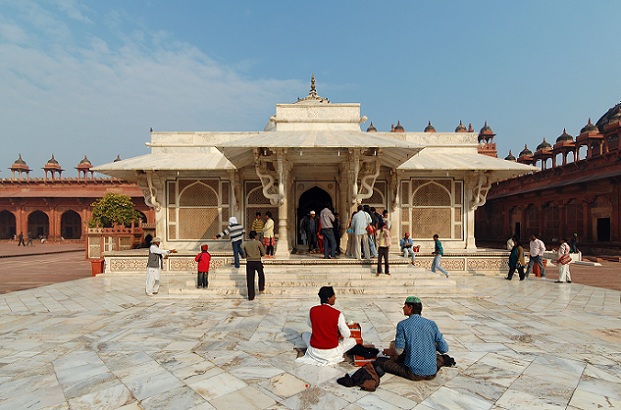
(315, 199)
(8, 227)
(39, 224)
(71, 225)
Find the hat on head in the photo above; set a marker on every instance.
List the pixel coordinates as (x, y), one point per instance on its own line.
(204, 247)
(156, 239)
(312, 212)
(412, 299)
(232, 220)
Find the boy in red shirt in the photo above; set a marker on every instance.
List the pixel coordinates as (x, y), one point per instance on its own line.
(203, 259)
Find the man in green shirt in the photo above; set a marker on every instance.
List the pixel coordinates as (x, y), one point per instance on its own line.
(254, 250)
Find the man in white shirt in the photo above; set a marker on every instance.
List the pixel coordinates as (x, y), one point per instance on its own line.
(330, 337)
(537, 248)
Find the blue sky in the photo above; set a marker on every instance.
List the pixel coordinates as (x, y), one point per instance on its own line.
(91, 77)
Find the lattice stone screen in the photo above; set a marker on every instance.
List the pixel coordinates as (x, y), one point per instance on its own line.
(429, 221)
(197, 209)
(199, 223)
(436, 207)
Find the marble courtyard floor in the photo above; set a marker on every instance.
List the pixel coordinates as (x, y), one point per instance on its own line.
(100, 343)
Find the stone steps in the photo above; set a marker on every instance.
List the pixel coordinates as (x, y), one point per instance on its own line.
(297, 281)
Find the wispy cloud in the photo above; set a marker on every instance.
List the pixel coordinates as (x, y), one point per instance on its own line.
(73, 92)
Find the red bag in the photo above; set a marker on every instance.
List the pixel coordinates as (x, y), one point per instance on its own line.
(564, 259)
(370, 229)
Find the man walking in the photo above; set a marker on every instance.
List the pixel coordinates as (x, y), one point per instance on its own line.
(438, 252)
(236, 233)
(254, 250)
(537, 248)
(20, 237)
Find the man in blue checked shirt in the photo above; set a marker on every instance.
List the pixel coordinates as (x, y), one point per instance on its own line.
(414, 353)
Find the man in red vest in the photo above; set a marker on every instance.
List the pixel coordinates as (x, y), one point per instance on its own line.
(330, 337)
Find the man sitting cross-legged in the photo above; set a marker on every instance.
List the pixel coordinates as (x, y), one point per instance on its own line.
(330, 337)
(414, 354)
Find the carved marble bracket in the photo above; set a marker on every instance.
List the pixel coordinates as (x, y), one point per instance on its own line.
(369, 172)
(275, 194)
(150, 195)
(480, 189)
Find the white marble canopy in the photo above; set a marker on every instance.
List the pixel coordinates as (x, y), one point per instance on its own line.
(320, 146)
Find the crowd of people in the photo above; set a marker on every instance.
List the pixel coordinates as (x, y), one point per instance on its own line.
(537, 248)
(368, 236)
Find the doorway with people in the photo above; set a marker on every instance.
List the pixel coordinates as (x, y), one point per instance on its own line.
(314, 199)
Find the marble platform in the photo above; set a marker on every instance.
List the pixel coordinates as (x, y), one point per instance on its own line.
(100, 343)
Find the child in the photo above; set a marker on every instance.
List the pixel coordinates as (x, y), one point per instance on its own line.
(203, 259)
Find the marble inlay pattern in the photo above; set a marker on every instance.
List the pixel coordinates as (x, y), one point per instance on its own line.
(100, 343)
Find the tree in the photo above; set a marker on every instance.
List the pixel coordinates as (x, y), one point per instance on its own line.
(114, 209)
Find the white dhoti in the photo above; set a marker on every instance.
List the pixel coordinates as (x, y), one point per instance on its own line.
(153, 281)
(325, 357)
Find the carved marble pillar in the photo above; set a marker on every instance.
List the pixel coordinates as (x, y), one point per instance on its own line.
(282, 250)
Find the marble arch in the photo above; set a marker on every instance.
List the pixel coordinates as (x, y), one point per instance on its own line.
(313, 142)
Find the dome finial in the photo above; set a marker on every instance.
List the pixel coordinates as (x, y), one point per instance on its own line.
(312, 96)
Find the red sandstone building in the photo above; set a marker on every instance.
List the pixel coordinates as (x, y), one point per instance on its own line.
(576, 191)
(56, 207)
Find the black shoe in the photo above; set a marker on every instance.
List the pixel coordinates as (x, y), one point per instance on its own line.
(568, 281)
(508, 278)
(558, 281)
(522, 279)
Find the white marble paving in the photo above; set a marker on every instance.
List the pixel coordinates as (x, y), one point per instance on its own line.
(99, 343)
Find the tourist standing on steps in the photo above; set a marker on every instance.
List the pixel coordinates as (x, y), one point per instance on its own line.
(254, 250)
(438, 252)
(236, 233)
(204, 260)
(371, 236)
(154, 266)
(537, 248)
(257, 225)
(330, 337)
(310, 227)
(383, 246)
(563, 268)
(337, 232)
(269, 239)
(516, 259)
(351, 237)
(359, 223)
(326, 218)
